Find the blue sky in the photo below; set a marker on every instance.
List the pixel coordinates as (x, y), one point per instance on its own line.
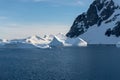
(22, 18)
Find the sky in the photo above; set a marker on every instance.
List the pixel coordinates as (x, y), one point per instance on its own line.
(23, 18)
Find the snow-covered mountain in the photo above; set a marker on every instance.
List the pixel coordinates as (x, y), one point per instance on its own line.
(62, 40)
(30, 42)
(47, 41)
(100, 24)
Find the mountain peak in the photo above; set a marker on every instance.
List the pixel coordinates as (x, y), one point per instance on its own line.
(103, 15)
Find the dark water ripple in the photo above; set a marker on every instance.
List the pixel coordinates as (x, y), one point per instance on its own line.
(67, 63)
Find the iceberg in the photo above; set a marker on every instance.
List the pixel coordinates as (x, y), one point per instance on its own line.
(61, 40)
(75, 42)
(56, 42)
(3, 42)
(47, 41)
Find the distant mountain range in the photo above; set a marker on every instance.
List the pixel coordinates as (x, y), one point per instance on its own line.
(49, 41)
(100, 24)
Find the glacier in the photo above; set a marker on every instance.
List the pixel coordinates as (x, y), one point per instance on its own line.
(48, 41)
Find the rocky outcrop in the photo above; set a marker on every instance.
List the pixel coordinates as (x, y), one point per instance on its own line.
(99, 12)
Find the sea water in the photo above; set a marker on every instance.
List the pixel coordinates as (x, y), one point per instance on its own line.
(62, 63)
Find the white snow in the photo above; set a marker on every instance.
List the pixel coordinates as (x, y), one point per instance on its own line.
(30, 42)
(56, 42)
(36, 40)
(75, 42)
(62, 40)
(96, 35)
(47, 41)
(3, 42)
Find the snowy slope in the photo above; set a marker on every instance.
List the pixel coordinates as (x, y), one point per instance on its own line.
(30, 42)
(96, 35)
(100, 24)
(56, 42)
(75, 42)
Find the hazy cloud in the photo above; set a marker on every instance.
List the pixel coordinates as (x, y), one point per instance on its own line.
(13, 30)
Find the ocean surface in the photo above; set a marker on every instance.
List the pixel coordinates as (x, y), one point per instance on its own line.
(62, 63)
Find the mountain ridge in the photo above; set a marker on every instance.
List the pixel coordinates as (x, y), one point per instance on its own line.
(101, 13)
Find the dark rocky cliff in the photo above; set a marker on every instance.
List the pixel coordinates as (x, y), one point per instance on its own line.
(99, 11)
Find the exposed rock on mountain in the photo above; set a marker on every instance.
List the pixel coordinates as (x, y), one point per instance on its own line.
(103, 15)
